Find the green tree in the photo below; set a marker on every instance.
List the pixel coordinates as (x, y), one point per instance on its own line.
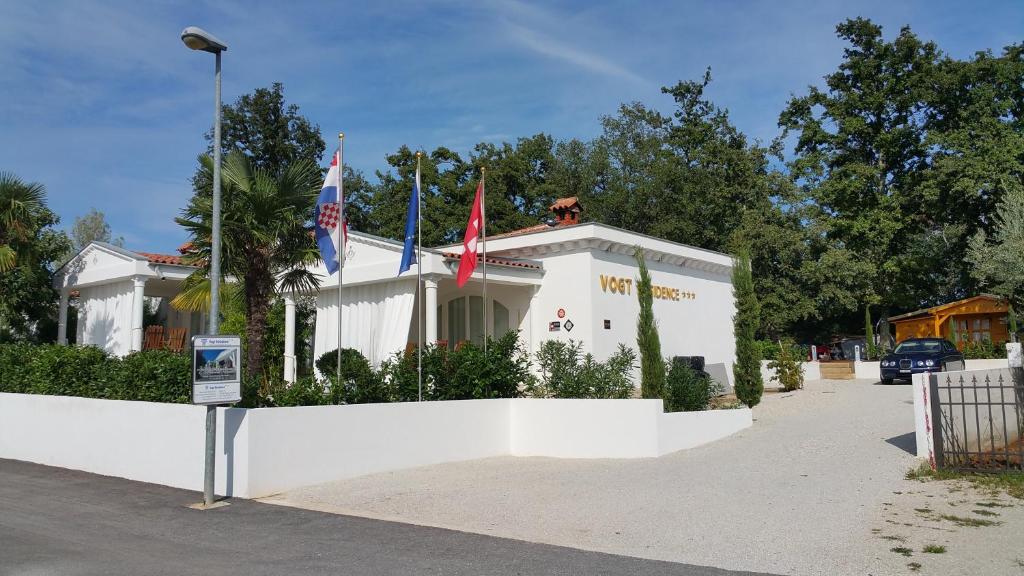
(869, 335)
(89, 228)
(747, 369)
(22, 213)
(271, 133)
(265, 240)
(30, 249)
(997, 261)
(860, 149)
(652, 365)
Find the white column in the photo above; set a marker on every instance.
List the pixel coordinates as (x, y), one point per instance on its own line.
(138, 305)
(430, 320)
(289, 338)
(62, 319)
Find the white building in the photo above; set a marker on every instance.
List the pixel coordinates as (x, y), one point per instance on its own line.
(568, 280)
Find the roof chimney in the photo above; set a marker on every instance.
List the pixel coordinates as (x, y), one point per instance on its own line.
(567, 211)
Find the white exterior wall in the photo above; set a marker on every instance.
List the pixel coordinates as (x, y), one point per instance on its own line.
(687, 327)
(269, 450)
(105, 317)
(565, 286)
(701, 326)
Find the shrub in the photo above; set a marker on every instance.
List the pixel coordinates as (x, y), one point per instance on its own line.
(360, 384)
(154, 376)
(306, 391)
(984, 349)
(769, 350)
(788, 371)
(568, 373)
(88, 372)
(462, 374)
(687, 390)
(83, 371)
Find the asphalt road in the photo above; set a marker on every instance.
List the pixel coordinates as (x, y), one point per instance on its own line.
(55, 521)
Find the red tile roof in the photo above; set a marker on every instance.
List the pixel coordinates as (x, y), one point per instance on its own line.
(499, 261)
(163, 259)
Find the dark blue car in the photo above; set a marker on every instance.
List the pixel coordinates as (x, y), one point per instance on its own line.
(917, 355)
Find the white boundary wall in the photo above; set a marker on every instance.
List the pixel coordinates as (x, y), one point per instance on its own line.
(872, 370)
(269, 450)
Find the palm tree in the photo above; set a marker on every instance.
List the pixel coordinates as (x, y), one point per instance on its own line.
(265, 241)
(20, 207)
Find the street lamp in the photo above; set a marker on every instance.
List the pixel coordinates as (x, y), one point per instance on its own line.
(199, 39)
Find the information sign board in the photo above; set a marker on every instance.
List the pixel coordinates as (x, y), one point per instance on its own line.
(216, 369)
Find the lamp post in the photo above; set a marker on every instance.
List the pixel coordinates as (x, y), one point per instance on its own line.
(199, 39)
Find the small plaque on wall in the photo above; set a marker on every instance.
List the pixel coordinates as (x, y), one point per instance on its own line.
(607, 324)
(554, 326)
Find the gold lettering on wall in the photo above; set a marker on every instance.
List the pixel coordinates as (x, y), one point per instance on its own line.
(624, 286)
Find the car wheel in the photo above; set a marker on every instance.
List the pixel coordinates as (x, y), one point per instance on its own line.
(887, 381)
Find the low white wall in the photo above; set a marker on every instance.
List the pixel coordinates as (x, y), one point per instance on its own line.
(291, 447)
(268, 450)
(144, 441)
(872, 370)
(585, 428)
(923, 410)
(812, 371)
(869, 370)
(987, 364)
(680, 430)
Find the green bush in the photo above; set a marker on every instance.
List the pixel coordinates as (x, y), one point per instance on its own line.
(462, 374)
(306, 391)
(360, 384)
(568, 373)
(687, 390)
(787, 369)
(154, 376)
(88, 372)
(984, 349)
(769, 350)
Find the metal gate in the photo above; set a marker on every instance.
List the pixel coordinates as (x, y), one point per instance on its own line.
(978, 419)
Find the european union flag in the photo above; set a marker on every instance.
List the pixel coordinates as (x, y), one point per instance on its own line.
(409, 251)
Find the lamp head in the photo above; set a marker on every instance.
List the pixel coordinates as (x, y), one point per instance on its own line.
(198, 39)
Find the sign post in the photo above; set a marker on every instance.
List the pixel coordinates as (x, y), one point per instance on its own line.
(216, 379)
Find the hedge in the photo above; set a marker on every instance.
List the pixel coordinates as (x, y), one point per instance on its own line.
(88, 372)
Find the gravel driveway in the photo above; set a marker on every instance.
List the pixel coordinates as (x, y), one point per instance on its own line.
(798, 493)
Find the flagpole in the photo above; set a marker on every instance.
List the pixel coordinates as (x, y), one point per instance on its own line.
(483, 228)
(340, 243)
(419, 280)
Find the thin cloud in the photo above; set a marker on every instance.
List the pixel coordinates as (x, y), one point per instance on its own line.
(523, 23)
(548, 46)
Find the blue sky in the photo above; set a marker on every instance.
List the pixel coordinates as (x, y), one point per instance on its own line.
(102, 104)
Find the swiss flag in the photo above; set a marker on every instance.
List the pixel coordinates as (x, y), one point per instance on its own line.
(468, 262)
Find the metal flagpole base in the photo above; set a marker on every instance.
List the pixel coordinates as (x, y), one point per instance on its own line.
(214, 506)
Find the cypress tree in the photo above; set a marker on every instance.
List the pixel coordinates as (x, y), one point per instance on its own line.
(747, 369)
(652, 366)
(869, 335)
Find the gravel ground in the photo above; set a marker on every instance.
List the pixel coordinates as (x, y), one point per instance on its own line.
(801, 492)
(979, 530)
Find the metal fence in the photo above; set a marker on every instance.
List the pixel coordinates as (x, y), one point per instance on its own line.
(978, 420)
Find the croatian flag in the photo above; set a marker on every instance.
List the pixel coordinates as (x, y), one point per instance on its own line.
(326, 217)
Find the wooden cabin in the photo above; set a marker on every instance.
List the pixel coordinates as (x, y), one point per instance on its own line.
(976, 319)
